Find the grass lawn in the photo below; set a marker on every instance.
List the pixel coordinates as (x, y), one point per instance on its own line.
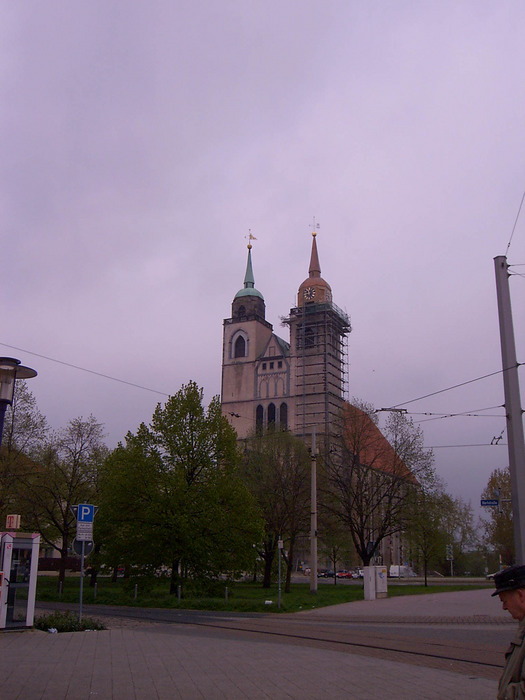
(242, 596)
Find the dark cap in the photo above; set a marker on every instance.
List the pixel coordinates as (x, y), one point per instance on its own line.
(509, 579)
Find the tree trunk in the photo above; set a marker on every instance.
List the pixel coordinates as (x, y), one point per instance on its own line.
(94, 569)
(289, 565)
(62, 566)
(268, 557)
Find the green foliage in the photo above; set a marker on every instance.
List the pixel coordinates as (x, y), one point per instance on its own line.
(242, 596)
(66, 622)
(25, 429)
(276, 470)
(435, 519)
(497, 522)
(66, 475)
(171, 497)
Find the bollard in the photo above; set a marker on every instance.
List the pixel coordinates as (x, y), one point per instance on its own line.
(60, 589)
(226, 594)
(95, 590)
(136, 588)
(178, 593)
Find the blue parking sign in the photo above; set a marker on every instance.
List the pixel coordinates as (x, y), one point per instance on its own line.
(85, 513)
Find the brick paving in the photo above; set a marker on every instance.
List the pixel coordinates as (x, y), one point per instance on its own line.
(140, 660)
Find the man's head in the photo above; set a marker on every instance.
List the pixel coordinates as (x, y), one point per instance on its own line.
(510, 586)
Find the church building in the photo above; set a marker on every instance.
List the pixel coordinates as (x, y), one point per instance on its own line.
(296, 385)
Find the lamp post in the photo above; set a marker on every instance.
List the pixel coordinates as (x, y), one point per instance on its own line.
(10, 371)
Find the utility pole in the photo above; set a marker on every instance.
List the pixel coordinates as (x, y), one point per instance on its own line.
(513, 409)
(313, 519)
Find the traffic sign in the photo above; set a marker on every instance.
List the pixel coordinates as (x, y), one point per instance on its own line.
(84, 531)
(88, 546)
(85, 513)
(492, 502)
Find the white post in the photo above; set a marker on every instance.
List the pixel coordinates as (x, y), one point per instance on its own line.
(33, 575)
(369, 580)
(512, 406)
(6, 543)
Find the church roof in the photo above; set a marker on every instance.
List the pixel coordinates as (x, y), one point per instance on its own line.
(285, 347)
(363, 438)
(249, 281)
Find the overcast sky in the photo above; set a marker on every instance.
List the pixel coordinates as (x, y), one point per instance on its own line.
(141, 140)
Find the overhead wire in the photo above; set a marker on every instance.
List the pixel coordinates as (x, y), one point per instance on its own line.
(84, 369)
(455, 386)
(515, 223)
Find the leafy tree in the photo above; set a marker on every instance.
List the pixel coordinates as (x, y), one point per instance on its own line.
(66, 476)
(277, 472)
(497, 522)
(25, 430)
(458, 523)
(369, 475)
(423, 526)
(171, 496)
(334, 540)
(435, 519)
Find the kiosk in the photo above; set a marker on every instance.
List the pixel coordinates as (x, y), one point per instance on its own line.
(18, 575)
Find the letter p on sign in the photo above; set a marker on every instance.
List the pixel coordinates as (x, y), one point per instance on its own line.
(86, 513)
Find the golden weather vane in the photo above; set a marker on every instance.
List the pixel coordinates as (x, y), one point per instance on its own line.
(250, 238)
(315, 228)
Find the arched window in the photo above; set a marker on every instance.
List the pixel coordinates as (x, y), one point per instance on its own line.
(271, 416)
(259, 419)
(283, 416)
(239, 349)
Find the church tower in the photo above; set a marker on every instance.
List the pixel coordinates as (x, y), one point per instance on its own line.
(268, 383)
(318, 330)
(255, 387)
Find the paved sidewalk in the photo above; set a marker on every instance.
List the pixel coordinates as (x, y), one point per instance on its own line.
(168, 661)
(154, 663)
(476, 606)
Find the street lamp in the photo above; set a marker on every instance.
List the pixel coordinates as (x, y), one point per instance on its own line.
(10, 371)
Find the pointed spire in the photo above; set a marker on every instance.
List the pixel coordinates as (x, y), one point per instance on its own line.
(249, 280)
(315, 267)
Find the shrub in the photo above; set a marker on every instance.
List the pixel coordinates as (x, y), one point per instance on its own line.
(66, 622)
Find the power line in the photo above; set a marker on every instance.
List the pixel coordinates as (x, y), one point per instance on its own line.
(482, 444)
(469, 412)
(515, 224)
(84, 369)
(456, 386)
(440, 416)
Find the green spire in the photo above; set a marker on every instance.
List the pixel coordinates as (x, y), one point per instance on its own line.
(249, 280)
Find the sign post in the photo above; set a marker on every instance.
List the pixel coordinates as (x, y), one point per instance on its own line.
(85, 514)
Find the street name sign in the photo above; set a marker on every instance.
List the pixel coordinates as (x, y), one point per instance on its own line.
(493, 502)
